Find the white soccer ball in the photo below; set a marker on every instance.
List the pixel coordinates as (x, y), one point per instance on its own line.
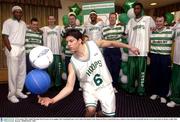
(124, 79)
(41, 57)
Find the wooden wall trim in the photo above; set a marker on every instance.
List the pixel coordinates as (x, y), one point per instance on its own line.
(3, 75)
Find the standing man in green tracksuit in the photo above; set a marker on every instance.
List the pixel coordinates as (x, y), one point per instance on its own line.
(138, 30)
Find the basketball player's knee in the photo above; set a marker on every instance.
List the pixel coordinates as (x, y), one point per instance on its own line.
(90, 112)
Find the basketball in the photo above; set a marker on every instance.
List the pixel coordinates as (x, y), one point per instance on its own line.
(37, 81)
(41, 57)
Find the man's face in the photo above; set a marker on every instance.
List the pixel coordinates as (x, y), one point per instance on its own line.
(73, 43)
(72, 20)
(93, 17)
(137, 10)
(51, 20)
(160, 22)
(17, 14)
(34, 25)
(112, 19)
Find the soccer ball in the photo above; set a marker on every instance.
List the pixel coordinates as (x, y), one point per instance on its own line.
(124, 79)
(41, 57)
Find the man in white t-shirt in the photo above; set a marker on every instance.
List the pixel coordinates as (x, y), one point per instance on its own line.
(52, 39)
(88, 64)
(138, 30)
(94, 27)
(13, 33)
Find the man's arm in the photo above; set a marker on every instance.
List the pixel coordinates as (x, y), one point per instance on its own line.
(64, 92)
(6, 42)
(106, 43)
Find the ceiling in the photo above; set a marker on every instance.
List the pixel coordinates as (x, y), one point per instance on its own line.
(146, 3)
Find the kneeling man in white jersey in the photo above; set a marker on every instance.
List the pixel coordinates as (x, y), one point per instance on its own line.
(88, 64)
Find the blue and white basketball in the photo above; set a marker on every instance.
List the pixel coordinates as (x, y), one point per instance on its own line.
(37, 81)
(41, 57)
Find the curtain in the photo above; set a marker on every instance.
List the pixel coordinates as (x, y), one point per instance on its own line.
(46, 3)
(169, 8)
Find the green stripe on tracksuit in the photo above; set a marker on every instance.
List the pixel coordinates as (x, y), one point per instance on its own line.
(136, 71)
(55, 71)
(175, 84)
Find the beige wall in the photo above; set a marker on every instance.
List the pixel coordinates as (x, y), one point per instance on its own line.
(65, 9)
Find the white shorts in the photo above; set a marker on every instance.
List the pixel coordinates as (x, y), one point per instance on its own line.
(106, 97)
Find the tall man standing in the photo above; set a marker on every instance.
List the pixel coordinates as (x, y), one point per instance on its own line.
(138, 30)
(14, 30)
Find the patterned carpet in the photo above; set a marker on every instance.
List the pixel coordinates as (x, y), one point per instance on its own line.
(73, 106)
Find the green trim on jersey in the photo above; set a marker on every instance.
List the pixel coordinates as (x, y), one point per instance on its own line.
(109, 114)
(91, 104)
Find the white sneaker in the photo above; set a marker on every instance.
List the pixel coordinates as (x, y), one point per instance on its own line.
(13, 99)
(163, 100)
(171, 104)
(153, 97)
(115, 90)
(21, 95)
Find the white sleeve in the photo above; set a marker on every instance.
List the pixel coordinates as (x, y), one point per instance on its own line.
(59, 30)
(44, 36)
(152, 23)
(128, 27)
(42, 29)
(6, 30)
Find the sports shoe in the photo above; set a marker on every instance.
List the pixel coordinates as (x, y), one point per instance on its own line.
(13, 99)
(163, 100)
(171, 104)
(153, 97)
(21, 95)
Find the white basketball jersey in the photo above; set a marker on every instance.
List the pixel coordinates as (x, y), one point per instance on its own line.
(139, 34)
(177, 44)
(93, 72)
(51, 38)
(94, 32)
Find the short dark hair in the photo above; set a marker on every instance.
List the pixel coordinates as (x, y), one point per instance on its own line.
(34, 20)
(72, 15)
(138, 4)
(113, 13)
(74, 32)
(159, 16)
